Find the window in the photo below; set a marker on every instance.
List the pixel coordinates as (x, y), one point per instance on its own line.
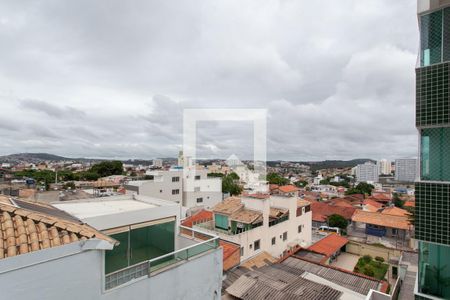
(431, 38)
(242, 251)
(250, 246)
(200, 200)
(273, 240)
(160, 191)
(434, 270)
(221, 221)
(137, 245)
(197, 177)
(257, 245)
(285, 236)
(175, 192)
(196, 189)
(435, 154)
(300, 228)
(175, 179)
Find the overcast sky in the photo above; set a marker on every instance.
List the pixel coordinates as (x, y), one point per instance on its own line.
(111, 78)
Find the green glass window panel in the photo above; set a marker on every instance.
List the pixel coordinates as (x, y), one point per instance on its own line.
(431, 38)
(435, 154)
(432, 212)
(117, 258)
(221, 221)
(433, 95)
(434, 270)
(152, 241)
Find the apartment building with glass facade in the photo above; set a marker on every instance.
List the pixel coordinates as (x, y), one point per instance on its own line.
(432, 216)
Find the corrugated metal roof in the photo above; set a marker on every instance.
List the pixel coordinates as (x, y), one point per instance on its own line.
(353, 282)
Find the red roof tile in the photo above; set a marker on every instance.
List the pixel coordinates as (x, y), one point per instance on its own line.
(329, 245)
(373, 203)
(228, 248)
(288, 188)
(200, 217)
(328, 210)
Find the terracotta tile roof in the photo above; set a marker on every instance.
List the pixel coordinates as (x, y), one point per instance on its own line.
(23, 230)
(329, 245)
(288, 188)
(301, 203)
(395, 211)
(382, 196)
(341, 203)
(5, 200)
(373, 203)
(246, 216)
(380, 219)
(355, 197)
(228, 248)
(369, 207)
(259, 260)
(318, 217)
(328, 210)
(200, 217)
(410, 204)
(273, 186)
(277, 212)
(228, 206)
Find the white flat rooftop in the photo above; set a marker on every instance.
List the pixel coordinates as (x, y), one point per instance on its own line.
(90, 209)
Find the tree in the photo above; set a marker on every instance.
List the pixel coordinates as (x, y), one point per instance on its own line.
(229, 185)
(233, 176)
(337, 221)
(397, 201)
(301, 183)
(361, 188)
(107, 168)
(275, 178)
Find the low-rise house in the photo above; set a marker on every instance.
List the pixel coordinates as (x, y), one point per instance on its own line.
(372, 205)
(330, 246)
(382, 225)
(262, 222)
(395, 211)
(321, 211)
(143, 255)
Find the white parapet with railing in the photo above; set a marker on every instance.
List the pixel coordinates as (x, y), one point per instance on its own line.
(204, 242)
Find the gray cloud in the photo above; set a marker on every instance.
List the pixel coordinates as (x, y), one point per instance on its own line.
(111, 79)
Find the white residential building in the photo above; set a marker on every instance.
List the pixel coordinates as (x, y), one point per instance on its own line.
(405, 169)
(262, 223)
(130, 248)
(199, 190)
(167, 185)
(158, 163)
(385, 167)
(367, 172)
(193, 189)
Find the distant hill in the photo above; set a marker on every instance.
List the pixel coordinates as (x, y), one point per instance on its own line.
(328, 164)
(30, 158)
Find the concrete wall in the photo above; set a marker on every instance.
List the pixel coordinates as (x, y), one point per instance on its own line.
(162, 186)
(364, 249)
(209, 189)
(265, 233)
(68, 273)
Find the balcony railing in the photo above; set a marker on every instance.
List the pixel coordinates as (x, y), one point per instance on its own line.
(149, 267)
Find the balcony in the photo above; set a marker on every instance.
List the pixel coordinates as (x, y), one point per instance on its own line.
(191, 243)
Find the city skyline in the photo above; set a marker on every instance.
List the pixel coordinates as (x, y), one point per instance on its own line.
(78, 84)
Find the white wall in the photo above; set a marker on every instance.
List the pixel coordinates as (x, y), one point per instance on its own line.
(265, 233)
(79, 275)
(162, 186)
